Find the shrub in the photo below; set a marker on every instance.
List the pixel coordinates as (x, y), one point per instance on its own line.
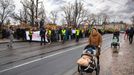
(110, 30)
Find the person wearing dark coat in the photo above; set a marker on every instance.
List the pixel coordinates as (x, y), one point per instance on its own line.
(4, 33)
(116, 34)
(23, 34)
(42, 35)
(131, 34)
(41, 23)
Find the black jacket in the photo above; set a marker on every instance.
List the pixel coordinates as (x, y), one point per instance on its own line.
(131, 32)
(116, 34)
(42, 32)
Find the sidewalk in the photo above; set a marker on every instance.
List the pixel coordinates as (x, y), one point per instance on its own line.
(121, 63)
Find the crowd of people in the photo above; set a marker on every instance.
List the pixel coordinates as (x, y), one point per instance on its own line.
(58, 34)
(61, 34)
(19, 33)
(47, 34)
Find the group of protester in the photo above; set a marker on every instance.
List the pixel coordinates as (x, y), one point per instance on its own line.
(49, 35)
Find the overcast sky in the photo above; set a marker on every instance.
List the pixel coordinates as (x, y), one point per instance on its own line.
(118, 9)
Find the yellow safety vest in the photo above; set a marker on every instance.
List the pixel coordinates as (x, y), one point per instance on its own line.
(30, 32)
(63, 32)
(82, 30)
(49, 32)
(77, 32)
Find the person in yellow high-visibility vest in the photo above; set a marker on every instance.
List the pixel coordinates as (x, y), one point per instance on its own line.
(63, 31)
(77, 34)
(30, 35)
(49, 35)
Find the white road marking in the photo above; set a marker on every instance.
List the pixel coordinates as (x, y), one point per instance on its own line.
(71, 49)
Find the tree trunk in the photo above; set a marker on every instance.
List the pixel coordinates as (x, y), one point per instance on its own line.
(32, 11)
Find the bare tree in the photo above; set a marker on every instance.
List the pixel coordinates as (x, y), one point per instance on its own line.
(21, 16)
(32, 10)
(68, 11)
(78, 11)
(42, 15)
(24, 14)
(54, 16)
(75, 13)
(104, 19)
(42, 12)
(6, 8)
(16, 16)
(91, 20)
(30, 6)
(37, 3)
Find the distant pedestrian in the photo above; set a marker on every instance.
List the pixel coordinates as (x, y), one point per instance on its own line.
(49, 34)
(77, 34)
(56, 34)
(30, 35)
(126, 34)
(131, 34)
(69, 33)
(42, 35)
(73, 33)
(18, 33)
(11, 37)
(60, 34)
(63, 35)
(24, 34)
(41, 23)
(116, 34)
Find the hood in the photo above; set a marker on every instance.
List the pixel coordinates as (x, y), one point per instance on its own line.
(94, 33)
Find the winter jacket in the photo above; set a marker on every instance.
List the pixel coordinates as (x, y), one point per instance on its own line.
(131, 32)
(95, 39)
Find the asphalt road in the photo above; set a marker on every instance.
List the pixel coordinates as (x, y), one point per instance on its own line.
(61, 62)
